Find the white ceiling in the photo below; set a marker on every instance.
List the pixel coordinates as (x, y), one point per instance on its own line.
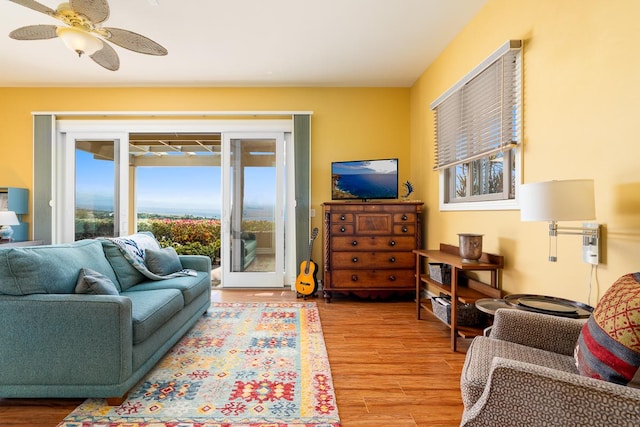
(359, 43)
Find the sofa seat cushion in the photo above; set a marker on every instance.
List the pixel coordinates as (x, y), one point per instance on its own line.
(151, 309)
(477, 366)
(608, 347)
(190, 286)
(50, 269)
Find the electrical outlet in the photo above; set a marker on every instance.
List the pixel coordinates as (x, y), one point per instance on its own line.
(590, 247)
(312, 213)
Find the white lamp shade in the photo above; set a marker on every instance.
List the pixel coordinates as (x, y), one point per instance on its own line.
(8, 218)
(570, 200)
(79, 41)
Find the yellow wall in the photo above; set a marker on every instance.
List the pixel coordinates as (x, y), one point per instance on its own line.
(581, 107)
(347, 123)
(581, 102)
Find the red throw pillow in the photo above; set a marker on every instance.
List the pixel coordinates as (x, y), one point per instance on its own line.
(609, 344)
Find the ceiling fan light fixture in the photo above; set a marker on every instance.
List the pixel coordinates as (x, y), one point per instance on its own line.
(79, 40)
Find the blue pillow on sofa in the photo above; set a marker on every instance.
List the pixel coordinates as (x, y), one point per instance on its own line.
(94, 283)
(162, 261)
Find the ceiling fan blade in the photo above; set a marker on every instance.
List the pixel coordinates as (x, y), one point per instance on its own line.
(34, 32)
(96, 10)
(34, 5)
(106, 57)
(135, 42)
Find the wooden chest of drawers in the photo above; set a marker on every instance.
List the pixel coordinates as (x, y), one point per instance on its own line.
(368, 247)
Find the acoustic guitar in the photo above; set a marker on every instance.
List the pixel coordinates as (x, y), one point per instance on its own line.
(306, 282)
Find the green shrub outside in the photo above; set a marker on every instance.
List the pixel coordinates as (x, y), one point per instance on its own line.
(195, 236)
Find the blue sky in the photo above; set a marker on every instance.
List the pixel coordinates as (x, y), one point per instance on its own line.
(194, 190)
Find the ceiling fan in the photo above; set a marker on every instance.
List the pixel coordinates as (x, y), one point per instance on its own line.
(83, 32)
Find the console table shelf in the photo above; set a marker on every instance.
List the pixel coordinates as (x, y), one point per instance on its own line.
(463, 289)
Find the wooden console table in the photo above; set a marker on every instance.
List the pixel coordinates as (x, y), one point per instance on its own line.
(463, 289)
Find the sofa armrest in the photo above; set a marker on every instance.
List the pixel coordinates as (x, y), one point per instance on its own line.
(543, 331)
(523, 394)
(64, 339)
(196, 262)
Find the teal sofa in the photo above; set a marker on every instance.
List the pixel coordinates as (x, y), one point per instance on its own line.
(249, 248)
(55, 342)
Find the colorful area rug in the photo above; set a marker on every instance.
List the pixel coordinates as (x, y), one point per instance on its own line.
(242, 365)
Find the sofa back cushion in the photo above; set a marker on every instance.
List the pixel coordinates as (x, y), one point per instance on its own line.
(127, 274)
(50, 269)
(608, 347)
(127, 254)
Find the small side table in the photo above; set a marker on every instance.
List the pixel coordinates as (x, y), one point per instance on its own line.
(536, 303)
(490, 305)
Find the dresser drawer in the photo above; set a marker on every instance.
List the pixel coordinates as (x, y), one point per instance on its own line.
(372, 260)
(373, 243)
(404, 217)
(400, 229)
(337, 218)
(382, 279)
(373, 223)
(338, 229)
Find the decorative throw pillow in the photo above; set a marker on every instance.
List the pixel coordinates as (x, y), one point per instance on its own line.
(92, 282)
(162, 261)
(609, 344)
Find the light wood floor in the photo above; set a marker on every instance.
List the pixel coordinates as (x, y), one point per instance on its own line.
(389, 369)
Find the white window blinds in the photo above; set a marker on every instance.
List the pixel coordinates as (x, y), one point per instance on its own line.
(480, 114)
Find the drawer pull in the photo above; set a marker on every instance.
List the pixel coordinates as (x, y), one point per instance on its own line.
(404, 217)
(354, 259)
(342, 229)
(354, 243)
(405, 229)
(392, 278)
(392, 243)
(392, 259)
(342, 217)
(354, 278)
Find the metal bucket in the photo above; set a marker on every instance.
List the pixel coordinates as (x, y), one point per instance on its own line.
(470, 247)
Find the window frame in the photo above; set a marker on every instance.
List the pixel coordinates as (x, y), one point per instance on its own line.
(511, 148)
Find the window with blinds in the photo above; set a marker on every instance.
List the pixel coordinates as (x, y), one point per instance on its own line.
(478, 129)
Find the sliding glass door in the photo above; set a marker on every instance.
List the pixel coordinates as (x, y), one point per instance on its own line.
(92, 182)
(253, 210)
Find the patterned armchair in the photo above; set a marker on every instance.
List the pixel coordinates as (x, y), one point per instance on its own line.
(525, 374)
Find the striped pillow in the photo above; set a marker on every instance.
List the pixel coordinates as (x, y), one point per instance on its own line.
(609, 344)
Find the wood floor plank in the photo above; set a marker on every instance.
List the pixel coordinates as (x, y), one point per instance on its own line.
(388, 368)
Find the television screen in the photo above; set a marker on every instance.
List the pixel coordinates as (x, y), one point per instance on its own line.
(364, 179)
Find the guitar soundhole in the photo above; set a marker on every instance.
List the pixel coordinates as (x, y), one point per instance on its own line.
(354, 278)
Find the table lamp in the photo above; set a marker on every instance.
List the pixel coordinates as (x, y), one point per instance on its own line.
(7, 219)
(569, 200)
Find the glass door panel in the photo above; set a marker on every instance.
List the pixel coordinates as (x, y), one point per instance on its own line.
(253, 226)
(91, 186)
(95, 192)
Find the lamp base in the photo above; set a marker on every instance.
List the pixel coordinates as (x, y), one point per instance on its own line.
(6, 233)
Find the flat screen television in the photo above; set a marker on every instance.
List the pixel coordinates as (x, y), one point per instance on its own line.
(364, 179)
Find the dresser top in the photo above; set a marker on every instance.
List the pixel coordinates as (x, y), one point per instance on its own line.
(360, 203)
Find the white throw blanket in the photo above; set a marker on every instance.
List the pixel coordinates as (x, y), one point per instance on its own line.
(133, 248)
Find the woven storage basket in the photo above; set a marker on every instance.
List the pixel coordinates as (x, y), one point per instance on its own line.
(467, 315)
(440, 273)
